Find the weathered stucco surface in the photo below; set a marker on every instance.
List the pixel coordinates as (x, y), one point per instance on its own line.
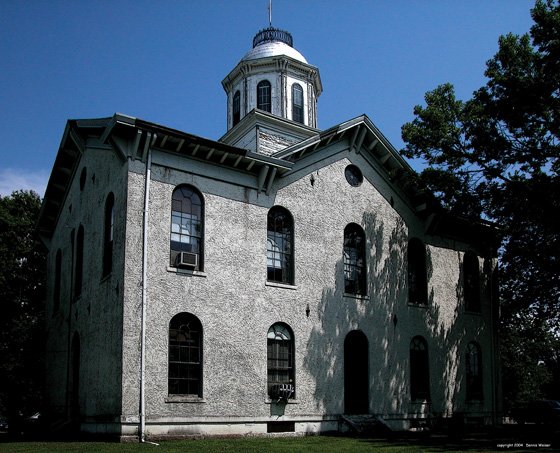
(96, 316)
(236, 306)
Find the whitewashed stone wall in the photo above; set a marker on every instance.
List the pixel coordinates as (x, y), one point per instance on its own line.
(97, 315)
(236, 306)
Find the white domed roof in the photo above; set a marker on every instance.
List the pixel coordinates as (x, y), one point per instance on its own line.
(272, 49)
(272, 42)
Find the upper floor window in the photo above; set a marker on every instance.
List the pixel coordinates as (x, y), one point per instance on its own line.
(108, 234)
(280, 362)
(279, 251)
(187, 228)
(417, 278)
(185, 355)
(473, 361)
(471, 282)
(297, 103)
(57, 277)
(419, 369)
(236, 107)
(83, 177)
(264, 99)
(354, 260)
(79, 272)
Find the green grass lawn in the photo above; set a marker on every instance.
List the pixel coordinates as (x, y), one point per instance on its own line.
(311, 444)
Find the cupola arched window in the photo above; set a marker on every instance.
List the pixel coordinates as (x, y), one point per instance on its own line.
(280, 361)
(419, 369)
(187, 228)
(185, 355)
(280, 244)
(297, 103)
(417, 278)
(236, 108)
(473, 362)
(264, 98)
(471, 282)
(354, 256)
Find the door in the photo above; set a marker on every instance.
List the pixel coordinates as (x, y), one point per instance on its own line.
(356, 373)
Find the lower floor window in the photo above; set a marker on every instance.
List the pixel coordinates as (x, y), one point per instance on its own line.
(474, 372)
(419, 370)
(280, 358)
(185, 355)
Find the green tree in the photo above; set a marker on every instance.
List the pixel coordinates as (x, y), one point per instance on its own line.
(497, 155)
(22, 295)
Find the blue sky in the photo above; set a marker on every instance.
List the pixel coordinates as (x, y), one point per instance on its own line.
(163, 61)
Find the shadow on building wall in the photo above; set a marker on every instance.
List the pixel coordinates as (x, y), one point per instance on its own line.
(390, 323)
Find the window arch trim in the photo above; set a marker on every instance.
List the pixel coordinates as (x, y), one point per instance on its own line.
(471, 282)
(417, 273)
(280, 246)
(236, 108)
(264, 96)
(354, 260)
(280, 360)
(297, 103)
(186, 356)
(57, 281)
(473, 369)
(108, 234)
(187, 228)
(419, 369)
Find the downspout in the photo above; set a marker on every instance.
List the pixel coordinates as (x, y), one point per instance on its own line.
(149, 142)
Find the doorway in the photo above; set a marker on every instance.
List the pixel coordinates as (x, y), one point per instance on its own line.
(356, 373)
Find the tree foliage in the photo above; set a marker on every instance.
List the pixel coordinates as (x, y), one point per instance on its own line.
(22, 287)
(497, 154)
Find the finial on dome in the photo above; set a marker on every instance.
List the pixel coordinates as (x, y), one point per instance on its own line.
(271, 33)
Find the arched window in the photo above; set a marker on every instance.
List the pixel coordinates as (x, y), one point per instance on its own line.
(419, 370)
(354, 260)
(471, 282)
(57, 276)
(187, 228)
(74, 376)
(297, 103)
(79, 274)
(280, 244)
(264, 101)
(280, 361)
(108, 235)
(236, 107)
(185, 355)
(473, 361)
(417, 279)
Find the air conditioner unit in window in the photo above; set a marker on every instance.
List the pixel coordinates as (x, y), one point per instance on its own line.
(281, 392)
(187, 260)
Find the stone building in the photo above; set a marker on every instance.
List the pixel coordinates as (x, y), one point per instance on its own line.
(279, 279)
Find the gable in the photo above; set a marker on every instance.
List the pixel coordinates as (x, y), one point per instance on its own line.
(359, 141)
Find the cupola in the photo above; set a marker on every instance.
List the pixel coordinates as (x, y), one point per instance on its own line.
(273, 79)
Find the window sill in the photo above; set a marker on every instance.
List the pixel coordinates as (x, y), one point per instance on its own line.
(179, 271)
(356, 296)
(290, 401)
(280, 285)
(184, 399)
